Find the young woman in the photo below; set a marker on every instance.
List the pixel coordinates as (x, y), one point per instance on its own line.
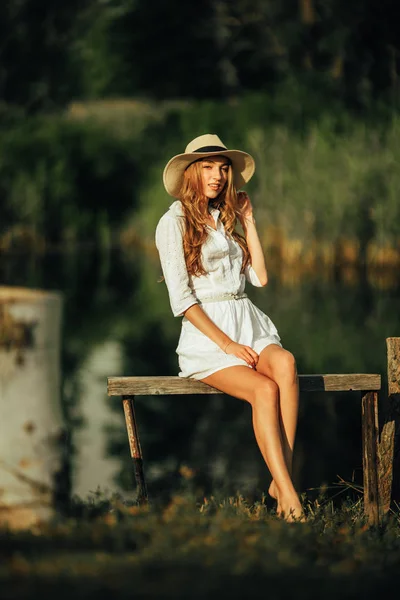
(226, 341)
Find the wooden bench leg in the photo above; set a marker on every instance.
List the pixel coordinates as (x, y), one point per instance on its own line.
(370, 428)
(134, 444)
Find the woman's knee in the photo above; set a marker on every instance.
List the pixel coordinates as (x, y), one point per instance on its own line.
(285, 367)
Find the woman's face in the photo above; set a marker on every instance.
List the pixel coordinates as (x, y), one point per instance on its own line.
(214, 170)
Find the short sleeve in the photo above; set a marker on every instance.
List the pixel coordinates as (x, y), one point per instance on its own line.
(251, 276)
(169, 242)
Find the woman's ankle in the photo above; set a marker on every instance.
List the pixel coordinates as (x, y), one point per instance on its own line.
(272, 491)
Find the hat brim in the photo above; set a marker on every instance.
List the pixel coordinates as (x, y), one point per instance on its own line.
(243, 168)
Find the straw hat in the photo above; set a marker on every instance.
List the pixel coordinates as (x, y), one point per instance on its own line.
(202, 146)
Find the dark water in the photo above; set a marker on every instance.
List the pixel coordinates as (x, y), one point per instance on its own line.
(117, 321)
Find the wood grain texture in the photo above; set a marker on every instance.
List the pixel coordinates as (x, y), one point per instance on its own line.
(393, 364)
(131, 429)
(389, 446)
(136, 451)
(160, 385)
(385, 458)
(369, 416)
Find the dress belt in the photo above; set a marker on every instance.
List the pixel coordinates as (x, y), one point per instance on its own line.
(223, 297)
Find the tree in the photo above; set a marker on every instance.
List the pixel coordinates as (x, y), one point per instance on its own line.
(35, 42)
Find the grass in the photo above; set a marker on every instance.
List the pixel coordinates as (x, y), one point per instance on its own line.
(199, 548)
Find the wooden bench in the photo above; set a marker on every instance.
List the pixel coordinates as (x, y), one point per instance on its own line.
(366, 386)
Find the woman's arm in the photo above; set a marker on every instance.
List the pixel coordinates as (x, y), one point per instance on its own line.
(196, 315)
(169, 242)
(248, 223)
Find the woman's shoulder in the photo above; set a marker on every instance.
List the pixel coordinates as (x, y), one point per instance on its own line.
(175, 212)
(173, 218)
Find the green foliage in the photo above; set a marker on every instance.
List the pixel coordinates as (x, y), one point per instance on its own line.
(62, 178)
(98, 169)
(226, 48)
(216, 49)
(36, 41)
(315, 181)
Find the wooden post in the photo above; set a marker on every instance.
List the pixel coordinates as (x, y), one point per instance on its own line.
(136, 451)
(369, 416)
(389, 459)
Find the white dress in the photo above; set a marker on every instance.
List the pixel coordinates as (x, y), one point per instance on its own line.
(240, 319)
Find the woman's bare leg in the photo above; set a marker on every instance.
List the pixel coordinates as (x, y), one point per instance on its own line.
(262, 393)
(280, 366)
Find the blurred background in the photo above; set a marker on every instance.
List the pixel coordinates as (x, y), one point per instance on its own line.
(95, 97)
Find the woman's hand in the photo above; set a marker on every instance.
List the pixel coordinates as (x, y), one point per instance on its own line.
(244, 352)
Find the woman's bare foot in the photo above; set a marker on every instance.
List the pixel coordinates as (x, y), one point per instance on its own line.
(293, 515)
(291, 510)
(288, 508)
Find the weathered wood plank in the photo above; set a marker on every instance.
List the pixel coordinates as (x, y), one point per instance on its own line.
(393, 362)
(340, 382)
(385, 458)
(389, 442)
(369, 418)
(160, 385)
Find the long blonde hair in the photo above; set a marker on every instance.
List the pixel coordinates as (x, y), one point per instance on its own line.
(193, 198)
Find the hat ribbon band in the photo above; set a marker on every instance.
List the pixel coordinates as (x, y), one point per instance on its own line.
(210, 149)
